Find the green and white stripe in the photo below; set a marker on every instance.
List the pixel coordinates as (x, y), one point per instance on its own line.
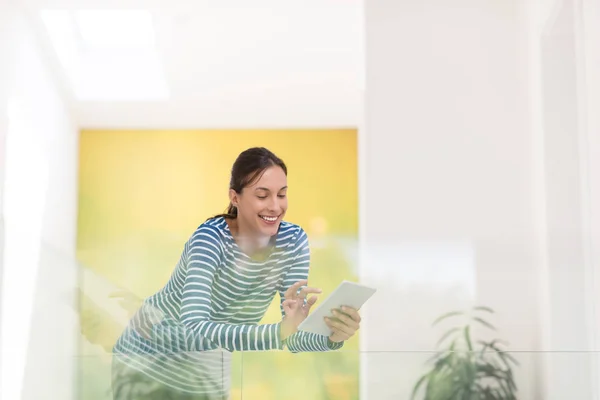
(212, 305)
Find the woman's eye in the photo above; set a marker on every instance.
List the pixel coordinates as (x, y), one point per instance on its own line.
(262, 197)
(281, 196)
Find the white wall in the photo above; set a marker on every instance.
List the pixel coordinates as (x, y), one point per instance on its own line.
(4, 81)
(588, 29)
(567, 336)
(449, 206)
(481, 131)
(38, 314)
(568, 70)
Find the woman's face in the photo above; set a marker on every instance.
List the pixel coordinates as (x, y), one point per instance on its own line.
(262, 205)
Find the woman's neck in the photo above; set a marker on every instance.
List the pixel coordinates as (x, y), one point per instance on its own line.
(253, 245)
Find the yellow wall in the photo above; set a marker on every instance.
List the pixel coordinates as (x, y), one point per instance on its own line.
(143, 193)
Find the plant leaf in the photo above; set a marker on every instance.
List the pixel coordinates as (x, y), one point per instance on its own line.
(453, 345)
(447, 315)
(489, 393)
(445, 336)
(484, 347)
(468, 338)
(503, 355)
(444, 362)
(484, 322)
(418, 386)
(504, 388)
(506, 358)
(456, 393)
(433, 358)
(471, 373)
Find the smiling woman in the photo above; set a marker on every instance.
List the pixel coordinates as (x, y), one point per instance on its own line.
(179, 342)
(263, 203)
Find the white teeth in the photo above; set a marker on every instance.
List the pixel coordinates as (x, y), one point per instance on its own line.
(269, 219)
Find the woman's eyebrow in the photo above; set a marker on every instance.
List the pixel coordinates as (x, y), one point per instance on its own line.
(266, 189)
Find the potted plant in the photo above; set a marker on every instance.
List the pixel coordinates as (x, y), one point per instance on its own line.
(464, 369)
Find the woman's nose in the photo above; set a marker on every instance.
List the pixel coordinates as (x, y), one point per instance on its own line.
(274, 204)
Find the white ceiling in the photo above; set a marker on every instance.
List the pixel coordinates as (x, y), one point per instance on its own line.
(263, 63)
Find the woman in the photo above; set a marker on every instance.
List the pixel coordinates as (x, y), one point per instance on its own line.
(178, 345)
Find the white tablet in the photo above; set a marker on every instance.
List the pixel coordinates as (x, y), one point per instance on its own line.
(348, 294)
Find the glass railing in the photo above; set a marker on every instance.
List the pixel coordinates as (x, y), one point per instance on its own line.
(344, 375)
(68, 317)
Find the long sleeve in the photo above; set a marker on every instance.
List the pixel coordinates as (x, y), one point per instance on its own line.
(303, 341)
(204, 252)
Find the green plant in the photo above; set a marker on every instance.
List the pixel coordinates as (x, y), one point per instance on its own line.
(463, 369)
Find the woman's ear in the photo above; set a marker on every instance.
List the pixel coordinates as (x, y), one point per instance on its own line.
(233, 197)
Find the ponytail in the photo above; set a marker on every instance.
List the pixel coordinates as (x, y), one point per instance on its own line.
(230, 213)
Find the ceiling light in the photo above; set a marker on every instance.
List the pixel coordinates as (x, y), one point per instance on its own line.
(90, 45)
(115, 28)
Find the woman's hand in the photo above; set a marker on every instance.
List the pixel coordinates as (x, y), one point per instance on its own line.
(296, 307)
(344, 324)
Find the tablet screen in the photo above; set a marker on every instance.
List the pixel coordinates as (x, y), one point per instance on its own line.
(348, 294)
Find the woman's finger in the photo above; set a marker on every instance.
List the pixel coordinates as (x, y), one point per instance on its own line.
(337, 325)
(337, 332)
(290, 303)
(308, 290)
(345, 319)
(292, 291)
(311, 301)
(352, 313)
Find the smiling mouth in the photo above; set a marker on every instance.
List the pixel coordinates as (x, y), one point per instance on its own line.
(269, 219)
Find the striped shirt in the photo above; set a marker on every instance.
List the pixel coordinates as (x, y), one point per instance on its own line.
(212, 305)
